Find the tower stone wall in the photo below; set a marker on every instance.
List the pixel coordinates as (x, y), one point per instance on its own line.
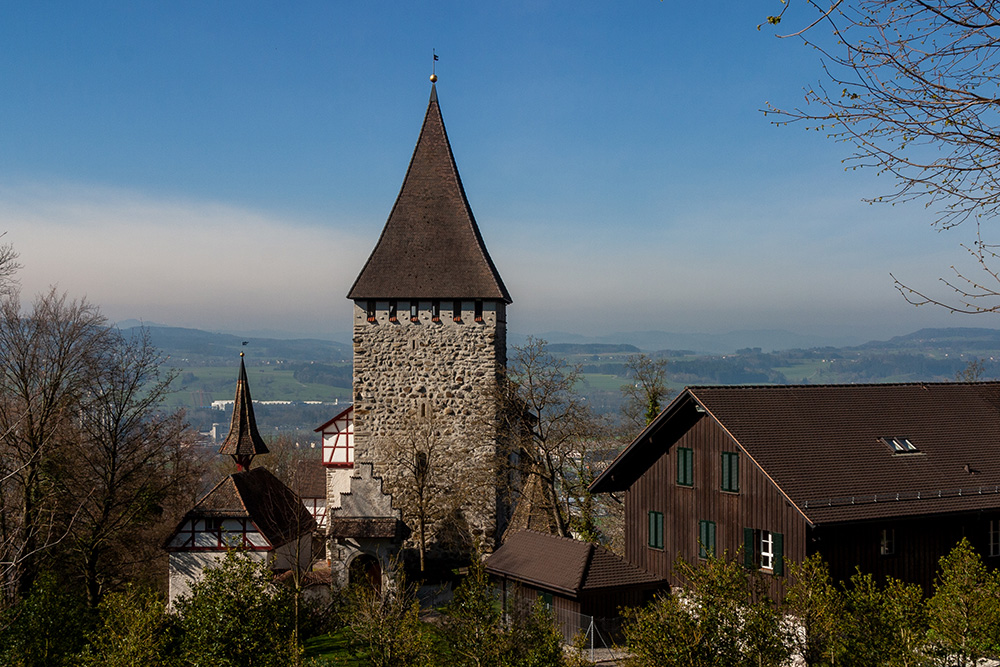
(439, 372)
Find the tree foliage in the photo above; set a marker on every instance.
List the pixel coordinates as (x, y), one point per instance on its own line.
(134, 630)
(724, 616)
(385, 625)
(964, 612)
(46, 628)
(482, 631)
(236, 616)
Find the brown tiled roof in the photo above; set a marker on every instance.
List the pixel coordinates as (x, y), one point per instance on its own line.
(820, 445)
(430, 247)
(261, 497)
(310, 478)
(564, 565)
(243, 438)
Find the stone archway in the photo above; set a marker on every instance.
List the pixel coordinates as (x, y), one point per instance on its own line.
(366, 568)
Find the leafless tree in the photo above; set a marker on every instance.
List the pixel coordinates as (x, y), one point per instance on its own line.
(432, 481)
(554, 434)
(645, 392)
(130, 461)
(47, 359)
(911, 86)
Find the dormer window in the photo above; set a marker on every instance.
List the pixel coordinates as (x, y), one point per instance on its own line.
(414, 311)
(370, 311)
(392, 312)
(435, 311)
(479, 311)
(900, 445)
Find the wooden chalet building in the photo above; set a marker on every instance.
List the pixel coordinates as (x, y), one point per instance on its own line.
(883, 477)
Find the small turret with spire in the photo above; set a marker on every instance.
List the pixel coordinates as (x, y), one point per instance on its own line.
(243, 442)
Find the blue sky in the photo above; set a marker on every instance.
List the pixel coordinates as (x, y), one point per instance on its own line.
(229, 166)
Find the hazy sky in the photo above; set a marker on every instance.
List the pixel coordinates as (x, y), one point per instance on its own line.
(229, 166)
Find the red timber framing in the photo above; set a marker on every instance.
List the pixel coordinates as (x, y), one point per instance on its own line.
(338, 441)
(218, 534)
(316, 507)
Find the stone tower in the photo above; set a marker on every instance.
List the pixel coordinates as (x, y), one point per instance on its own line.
(430, 337)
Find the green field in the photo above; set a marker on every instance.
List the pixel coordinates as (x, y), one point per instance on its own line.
(198, 386)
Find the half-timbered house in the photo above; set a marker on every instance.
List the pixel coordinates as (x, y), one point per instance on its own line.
(884, 477)
(251, 510)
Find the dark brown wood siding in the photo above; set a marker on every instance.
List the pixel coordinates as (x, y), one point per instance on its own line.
(918, 546)
(758, 504)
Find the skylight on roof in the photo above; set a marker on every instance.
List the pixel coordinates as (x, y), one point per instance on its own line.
(900, 445)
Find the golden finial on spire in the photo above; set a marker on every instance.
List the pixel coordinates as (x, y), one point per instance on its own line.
(241, 354)
(434, 76)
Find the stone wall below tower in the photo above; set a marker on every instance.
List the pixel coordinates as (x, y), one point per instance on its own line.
(421, 383)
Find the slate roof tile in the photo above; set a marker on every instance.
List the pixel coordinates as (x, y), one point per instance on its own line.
(430, 247)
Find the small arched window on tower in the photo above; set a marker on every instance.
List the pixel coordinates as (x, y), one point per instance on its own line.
(392, 312)
(370, 311)
(479, 311)
(457, 311)
(435, 311)
(414, 311)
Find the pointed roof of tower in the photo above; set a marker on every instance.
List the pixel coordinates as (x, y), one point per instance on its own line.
(431, 246)
(243, 439)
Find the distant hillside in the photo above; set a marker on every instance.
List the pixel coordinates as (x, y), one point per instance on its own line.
(592, 348)
(956, 340)
(197, 347)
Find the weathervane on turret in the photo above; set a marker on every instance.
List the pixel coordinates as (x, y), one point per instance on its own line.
(434, 76)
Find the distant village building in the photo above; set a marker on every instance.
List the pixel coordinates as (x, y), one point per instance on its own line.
(250, 510)
(430, 337)
(886, 478)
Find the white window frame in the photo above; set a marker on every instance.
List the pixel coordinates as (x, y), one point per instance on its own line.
(887, 546)
(766, 550)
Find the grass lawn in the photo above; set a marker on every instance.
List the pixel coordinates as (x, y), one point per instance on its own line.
(333, 648)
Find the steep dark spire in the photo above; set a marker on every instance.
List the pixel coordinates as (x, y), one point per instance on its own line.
(243, 441)
(430, 247)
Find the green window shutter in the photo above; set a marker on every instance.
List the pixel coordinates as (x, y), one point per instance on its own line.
(749, 549)
(655, 530)
(685, 466)
(731, 472)
(706, 538)
(779, 554)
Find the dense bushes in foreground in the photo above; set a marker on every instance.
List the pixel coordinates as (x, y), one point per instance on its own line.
(236, 616)
(725, 617)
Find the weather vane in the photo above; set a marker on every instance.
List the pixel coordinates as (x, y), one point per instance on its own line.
(434, 76)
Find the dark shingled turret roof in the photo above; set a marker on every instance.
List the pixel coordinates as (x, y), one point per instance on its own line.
(430, 247)
(243, 441)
